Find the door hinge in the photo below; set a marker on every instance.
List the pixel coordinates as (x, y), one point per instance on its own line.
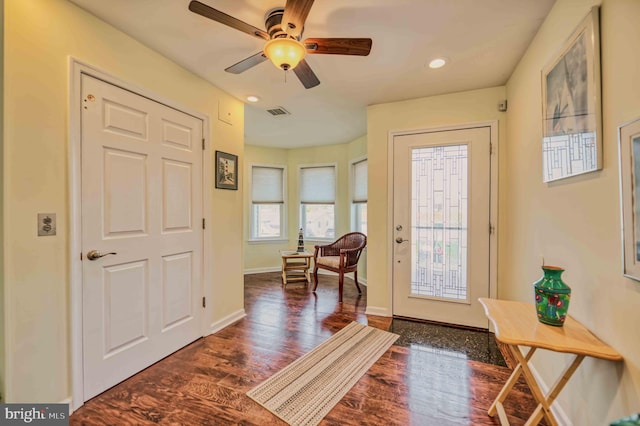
(203, 226)
(491, 229)
(204, 302)
(203, 144)
(80, 255)
(490, 148)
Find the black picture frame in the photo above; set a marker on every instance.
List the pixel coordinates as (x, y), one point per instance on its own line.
(226, 171)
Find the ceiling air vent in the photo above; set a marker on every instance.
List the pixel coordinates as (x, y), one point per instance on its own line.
(276, 111)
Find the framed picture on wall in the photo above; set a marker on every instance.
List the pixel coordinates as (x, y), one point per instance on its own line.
(226, 170)
(629, 146)
(571, 108)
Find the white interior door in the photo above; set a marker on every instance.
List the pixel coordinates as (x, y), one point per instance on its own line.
(441, 191)
(142, 210)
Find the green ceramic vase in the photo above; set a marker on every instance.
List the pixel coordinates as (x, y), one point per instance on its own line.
(552, 296)
(628, 421)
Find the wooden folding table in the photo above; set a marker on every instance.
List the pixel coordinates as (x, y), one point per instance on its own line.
(295, 266)
(516, 324)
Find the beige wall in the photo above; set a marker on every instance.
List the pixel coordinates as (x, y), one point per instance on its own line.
(265, 255)
(2, 339)
(575, 223)
(457, 108)
(40, 35)
(357, 148)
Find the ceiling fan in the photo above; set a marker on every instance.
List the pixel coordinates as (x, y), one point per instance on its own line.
(284, 28)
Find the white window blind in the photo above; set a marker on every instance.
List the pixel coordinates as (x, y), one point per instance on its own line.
(318, 185)
(360, 182)
(266, 185)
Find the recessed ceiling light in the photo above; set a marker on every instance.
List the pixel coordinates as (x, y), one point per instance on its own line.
(437, 63)
(252, 98)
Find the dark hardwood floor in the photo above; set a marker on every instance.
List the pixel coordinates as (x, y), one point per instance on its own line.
(205, 382)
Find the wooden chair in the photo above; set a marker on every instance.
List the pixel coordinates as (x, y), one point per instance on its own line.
(340, 256)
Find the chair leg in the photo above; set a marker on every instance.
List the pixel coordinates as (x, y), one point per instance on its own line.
(355, 278)
(340, 285)
(315, 278)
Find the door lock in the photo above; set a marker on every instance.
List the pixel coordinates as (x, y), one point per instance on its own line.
(95, 254)
(399, 228)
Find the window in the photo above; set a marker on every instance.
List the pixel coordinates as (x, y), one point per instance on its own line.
(267, 203)
(359, 197)
(317, 201)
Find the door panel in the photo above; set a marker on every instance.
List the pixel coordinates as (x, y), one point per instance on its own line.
(441, 225)
(176, 200)
(176, 289)
(125, 193)
(141, 198)
(176, 135)
(124, 304)
(125, 120)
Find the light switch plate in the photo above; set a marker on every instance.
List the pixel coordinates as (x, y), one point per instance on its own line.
(46, 224)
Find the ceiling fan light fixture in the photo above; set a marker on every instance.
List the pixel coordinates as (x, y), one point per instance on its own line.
(285, 53)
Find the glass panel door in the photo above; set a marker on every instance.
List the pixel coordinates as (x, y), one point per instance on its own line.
(441, 240)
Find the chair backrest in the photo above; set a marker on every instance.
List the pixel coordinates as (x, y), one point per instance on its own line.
(352, 240)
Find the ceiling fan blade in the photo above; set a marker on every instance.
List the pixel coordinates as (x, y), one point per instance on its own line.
(339, 46)
(295, 15)
(228, 20)
(306, 75)
(247, 63)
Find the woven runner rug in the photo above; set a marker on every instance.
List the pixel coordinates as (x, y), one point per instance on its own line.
(305, 391)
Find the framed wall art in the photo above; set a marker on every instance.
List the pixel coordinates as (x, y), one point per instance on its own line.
(629, 146)
(571, 106)
(226, 170)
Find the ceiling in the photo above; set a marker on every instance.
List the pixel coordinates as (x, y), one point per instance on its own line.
(482, 40)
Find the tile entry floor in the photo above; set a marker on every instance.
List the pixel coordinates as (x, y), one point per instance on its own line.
(474, 345)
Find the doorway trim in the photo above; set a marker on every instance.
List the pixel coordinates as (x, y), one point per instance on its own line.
(493, 203)
(76, 69)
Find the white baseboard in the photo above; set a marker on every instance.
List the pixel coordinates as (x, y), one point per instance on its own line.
(262, 270)
(375, 310)
(279, 269)
(226, 321)
(252, 271)
(561, 416)
(69, 400)
(361, 280)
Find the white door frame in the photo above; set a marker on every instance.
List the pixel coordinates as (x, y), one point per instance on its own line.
(76, 69)
(493, 214)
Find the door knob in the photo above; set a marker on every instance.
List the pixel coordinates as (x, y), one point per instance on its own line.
(95, 254)
(399, 240)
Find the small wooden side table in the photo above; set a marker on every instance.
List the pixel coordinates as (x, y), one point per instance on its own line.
(516, 324)
(295, 266)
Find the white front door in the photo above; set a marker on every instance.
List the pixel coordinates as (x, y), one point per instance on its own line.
(141, 210)
(441, 212)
